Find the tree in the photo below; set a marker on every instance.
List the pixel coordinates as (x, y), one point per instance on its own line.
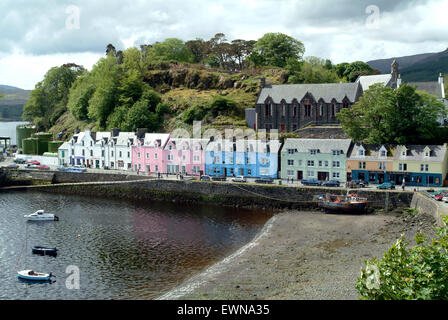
(273, 49)
(358, 68)
(402, 116)
(197, 47)
(171, 49)
(50, 97)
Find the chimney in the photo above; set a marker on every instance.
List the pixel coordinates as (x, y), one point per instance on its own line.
(262, 82)
(399, 81)
(114, 132)
(141, 132)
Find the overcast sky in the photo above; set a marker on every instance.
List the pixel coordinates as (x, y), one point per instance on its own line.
(39, 34)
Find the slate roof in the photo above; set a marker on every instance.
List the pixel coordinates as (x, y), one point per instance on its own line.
(432, 87)
(326, 91)
(367, 81)
(372, 152)
(151, 138)
(323, 145)
(417, 153)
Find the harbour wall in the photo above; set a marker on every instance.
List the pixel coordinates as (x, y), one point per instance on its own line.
(424, 204)
(222, 193)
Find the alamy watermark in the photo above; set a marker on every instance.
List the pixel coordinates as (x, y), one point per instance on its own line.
(73, 280)
(373, 18)
(73, 22)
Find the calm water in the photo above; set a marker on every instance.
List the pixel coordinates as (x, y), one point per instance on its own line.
(8, 129)
(125, 251)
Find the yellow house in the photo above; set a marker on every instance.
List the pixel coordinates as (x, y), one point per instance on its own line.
(420, 165)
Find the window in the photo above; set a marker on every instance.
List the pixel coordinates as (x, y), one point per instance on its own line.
(336, 152)
(382, 166)
(294, 111)
(333, 109)
(249, 172)
(313, 152)
(156, 168)
(320, 163)
(336, 175)
(403, 153)
(170, 157)
(147, 155)
(112, 153)
(310, 173)
(321, 110)
(310, 163)
(290, 162)
(83, 152)
(300, 162)
(138, 155)
(155, 155)
(91, 153)
(91, 143)
(361, 152)
(196, 158)
(102, 153)
(129, 154)
(422, 167)
(426, 167)
(290, 173)
(170, 147)
(383, 153)
(326, 163)
(336, 164)
(290, 151)
(307, 109)
(283, 110)
(362, 165)
(121, 155)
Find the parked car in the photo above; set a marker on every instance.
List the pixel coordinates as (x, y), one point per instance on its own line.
(311, 182)
(386, 185)
(445, 199)
(206, 178)
(264, 180)
(331, 183)
(31, 165)
(357, 183)
(239, 179)
(20, 160)
(12, 166)
(34, 162)
(219, 178)
(43, 167)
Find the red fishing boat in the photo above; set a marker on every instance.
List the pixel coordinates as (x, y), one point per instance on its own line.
(350, 203)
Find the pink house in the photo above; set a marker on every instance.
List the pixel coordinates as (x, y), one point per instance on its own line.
(148, 153)
(186, 156)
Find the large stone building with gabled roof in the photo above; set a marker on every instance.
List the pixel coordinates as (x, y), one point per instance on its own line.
(290, 107)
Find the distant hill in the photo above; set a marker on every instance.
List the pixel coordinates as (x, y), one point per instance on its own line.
(420, 67)
(11, 105)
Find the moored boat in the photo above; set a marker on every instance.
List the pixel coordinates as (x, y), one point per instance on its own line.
(40, 215)
(33, 276)
(350, 203)
(45, 251)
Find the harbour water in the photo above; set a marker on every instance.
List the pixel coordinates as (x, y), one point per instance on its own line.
(8, 129)
(123, 250)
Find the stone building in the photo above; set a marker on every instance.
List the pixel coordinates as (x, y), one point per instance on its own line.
(290, 107)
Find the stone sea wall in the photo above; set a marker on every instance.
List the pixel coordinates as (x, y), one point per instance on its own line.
(226, 194)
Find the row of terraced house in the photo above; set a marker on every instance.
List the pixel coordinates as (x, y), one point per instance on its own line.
(297, 159)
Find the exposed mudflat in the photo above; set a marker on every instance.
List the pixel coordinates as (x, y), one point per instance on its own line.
(303, 255)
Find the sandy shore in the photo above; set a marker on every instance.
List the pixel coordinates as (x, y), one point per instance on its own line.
(302, 255)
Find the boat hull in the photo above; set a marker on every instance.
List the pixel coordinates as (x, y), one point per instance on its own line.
(24, 275)
(40, 218)
(45, 251)
(343, 207)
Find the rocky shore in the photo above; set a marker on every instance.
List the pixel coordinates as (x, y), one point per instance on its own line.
(303, 255)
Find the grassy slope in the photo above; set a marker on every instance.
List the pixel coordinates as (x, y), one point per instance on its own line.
(181, 94)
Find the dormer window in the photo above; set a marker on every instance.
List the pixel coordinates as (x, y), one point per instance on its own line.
(427, 152)
(361, 152)
(313, 152)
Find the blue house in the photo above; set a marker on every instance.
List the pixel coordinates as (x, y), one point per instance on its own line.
(249, 158)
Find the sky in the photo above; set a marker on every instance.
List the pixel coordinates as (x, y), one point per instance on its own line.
(40, 34)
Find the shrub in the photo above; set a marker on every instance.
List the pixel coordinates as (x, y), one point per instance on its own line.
(408, 272)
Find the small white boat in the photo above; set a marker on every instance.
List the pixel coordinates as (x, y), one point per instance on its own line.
(32, 275)
(40, 215)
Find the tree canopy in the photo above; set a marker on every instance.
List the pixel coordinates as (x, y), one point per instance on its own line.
(274, 49)
(402, 116)
(49, 98)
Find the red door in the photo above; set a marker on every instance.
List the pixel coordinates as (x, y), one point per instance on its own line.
(282, 128)
(299, 175)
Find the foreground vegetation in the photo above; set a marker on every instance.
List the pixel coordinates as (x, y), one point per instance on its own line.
(409, 272)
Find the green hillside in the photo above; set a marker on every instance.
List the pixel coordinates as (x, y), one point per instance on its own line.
(11, 105)
(426, 71)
